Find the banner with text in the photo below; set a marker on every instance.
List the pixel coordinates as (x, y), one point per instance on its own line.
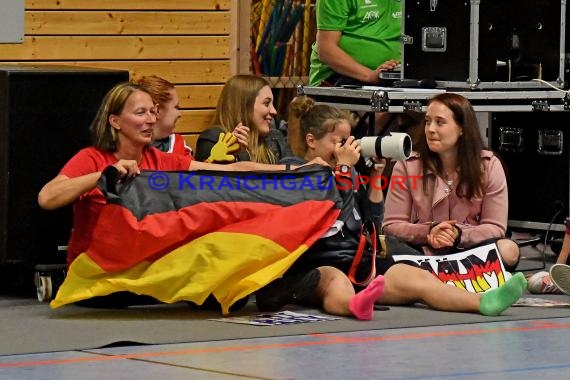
(475, 270)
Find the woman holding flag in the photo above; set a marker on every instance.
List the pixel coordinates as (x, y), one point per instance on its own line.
(121, 134)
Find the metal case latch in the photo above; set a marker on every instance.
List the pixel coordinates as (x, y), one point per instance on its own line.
(434, 39)
(511, 139)
(413, 106)
(550, 142)
(379, 101)
(540, 105)
(432, 5)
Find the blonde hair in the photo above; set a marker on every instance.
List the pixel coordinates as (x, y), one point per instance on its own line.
(235, 106)
(103, 135)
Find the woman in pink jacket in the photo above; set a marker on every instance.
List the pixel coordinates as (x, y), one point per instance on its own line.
(452, 193)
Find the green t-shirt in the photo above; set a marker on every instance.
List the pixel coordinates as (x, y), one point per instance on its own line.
(371, 31)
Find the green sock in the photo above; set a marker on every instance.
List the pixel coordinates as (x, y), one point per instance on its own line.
(495, 301)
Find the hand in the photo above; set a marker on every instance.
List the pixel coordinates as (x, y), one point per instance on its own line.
(241, 132)
(347, 153)
(227, 143)
(379, 166)
(443, 234)
(386, 66)
(377, 180)
(127, 168)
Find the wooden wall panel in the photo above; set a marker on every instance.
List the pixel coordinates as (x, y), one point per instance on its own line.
(116, 47)
(127, 23)
(188, 42)
(180, 72)
(214, 5)
(198, 96)
(194, 121)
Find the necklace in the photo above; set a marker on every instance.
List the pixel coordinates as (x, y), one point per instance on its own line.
(449, 182)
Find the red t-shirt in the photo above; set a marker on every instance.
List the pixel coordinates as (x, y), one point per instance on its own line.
(178, 145)
(87, 208)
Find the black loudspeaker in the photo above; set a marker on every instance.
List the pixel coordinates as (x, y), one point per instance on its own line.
(535, 149)
(45, 112)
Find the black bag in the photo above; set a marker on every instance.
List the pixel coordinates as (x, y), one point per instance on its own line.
(350, 245)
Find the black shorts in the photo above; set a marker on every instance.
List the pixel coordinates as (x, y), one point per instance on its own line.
(383, 264)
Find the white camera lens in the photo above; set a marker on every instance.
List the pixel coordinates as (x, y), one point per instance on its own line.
(395, 145)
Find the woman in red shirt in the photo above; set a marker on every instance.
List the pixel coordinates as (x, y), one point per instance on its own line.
(121, 134)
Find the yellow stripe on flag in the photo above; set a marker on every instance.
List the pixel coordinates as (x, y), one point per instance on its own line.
(226, 264)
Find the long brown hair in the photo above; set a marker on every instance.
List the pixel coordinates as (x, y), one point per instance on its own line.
(235, 106)
(469, 147)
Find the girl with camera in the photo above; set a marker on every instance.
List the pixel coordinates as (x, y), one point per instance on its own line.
(321, 275)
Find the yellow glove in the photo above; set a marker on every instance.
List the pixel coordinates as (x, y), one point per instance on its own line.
(227, 143)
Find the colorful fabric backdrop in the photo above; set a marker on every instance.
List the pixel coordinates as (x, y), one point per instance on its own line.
(185, 235)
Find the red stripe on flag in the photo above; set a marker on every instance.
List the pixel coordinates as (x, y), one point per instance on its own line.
(120, 241)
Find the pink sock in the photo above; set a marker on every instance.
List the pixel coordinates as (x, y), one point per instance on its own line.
(362, 303)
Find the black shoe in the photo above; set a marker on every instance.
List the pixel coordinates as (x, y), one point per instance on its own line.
(118, 300)
(212, 304)
(286, 290)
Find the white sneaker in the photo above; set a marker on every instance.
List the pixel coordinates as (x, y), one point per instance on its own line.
(560, 275)
(541, 283)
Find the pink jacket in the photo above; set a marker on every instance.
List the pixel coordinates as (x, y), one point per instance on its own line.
(410, 211)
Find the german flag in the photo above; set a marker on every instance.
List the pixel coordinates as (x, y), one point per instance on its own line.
(185, 235)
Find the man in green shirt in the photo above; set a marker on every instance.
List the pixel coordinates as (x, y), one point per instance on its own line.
(356, 40)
